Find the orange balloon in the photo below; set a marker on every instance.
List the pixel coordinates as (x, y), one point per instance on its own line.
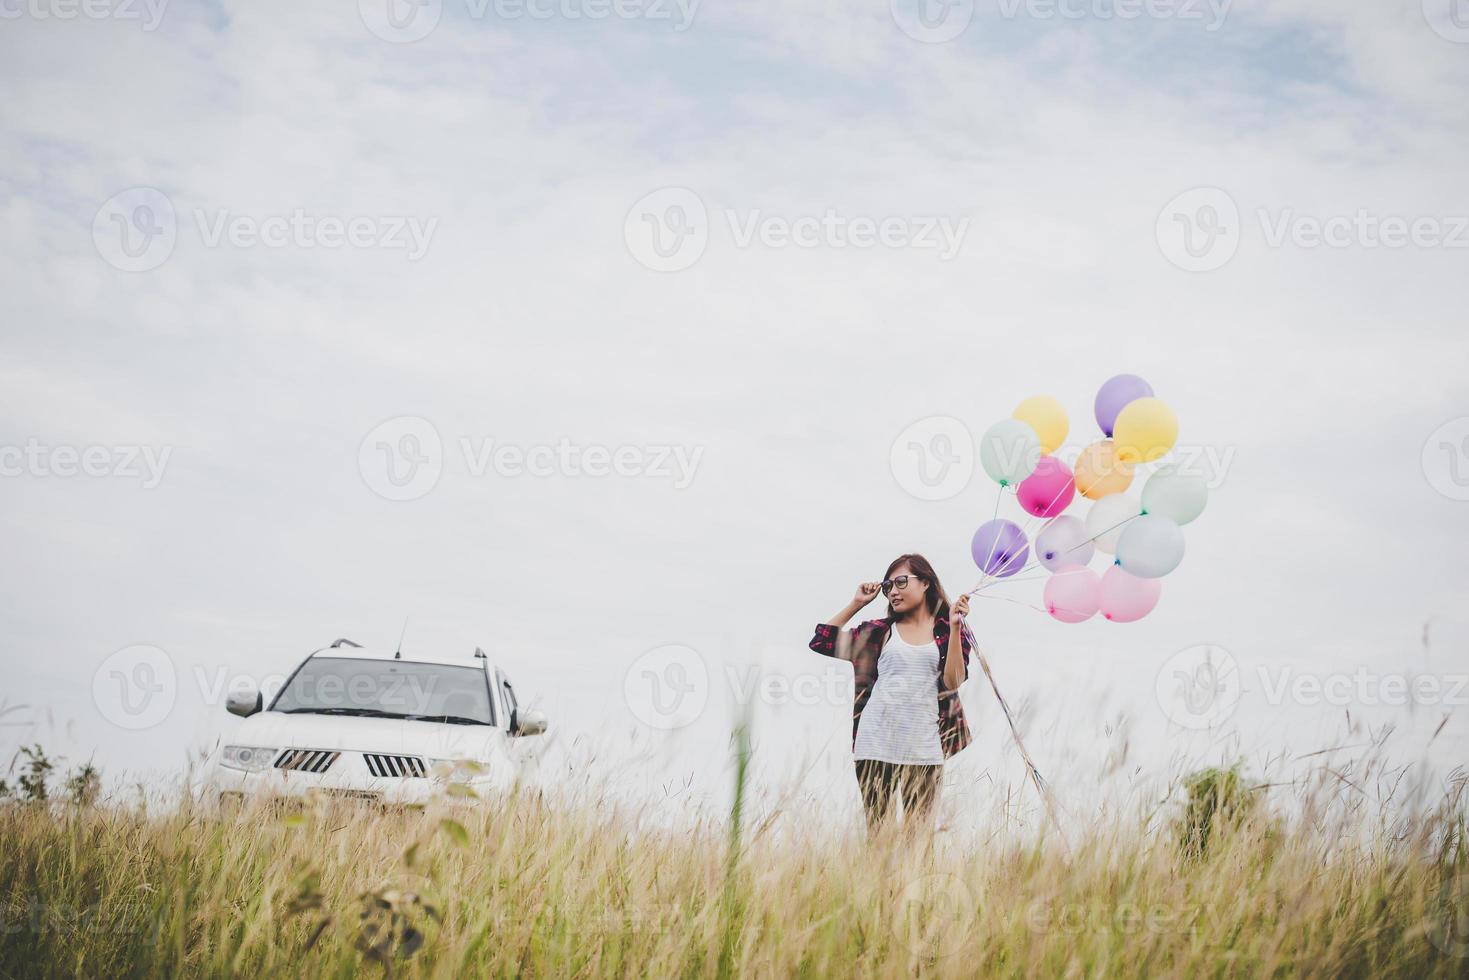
(1099, 471)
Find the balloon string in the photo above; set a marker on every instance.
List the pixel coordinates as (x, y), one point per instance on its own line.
(996, 542)
(1041, 786)
(1031, 565)
(1010, 581)
(1026, 527)
(1018, 602)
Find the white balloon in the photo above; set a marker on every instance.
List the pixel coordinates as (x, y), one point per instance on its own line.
(1063, 541)
(1178, 496)
(1150, 547)
(1009, 451)
(1108, 518)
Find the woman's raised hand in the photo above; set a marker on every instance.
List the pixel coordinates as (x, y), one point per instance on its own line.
(866, 592)
(959, 610)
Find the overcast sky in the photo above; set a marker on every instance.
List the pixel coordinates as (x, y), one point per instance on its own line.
(251, 247)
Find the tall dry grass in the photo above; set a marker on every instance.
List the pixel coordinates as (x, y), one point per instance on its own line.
(525, 887)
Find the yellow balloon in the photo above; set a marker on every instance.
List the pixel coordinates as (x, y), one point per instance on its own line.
(1046, 416)
(1145, 431)
(1099, 472)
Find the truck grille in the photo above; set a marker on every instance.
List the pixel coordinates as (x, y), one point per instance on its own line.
(395, 765)
(306, 760)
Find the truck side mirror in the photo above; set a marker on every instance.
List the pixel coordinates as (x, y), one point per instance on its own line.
(244, 701)
(530, 723)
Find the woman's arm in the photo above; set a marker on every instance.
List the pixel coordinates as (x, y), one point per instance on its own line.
(824, 640)
(866, 592)
(954, 672)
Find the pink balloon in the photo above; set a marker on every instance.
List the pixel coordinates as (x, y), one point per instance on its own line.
(1048, 490)
(1073, 594)
(1127, 598)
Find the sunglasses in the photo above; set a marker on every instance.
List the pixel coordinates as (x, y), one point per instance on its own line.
(900, 582)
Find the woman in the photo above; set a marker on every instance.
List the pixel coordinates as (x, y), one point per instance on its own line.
(906, 717)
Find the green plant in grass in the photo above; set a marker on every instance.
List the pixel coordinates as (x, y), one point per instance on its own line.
(1217, 803)
(37, 771)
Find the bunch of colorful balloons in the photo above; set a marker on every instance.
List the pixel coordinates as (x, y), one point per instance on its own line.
(1142, 533)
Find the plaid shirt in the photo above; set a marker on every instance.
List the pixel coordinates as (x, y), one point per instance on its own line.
(862, 645)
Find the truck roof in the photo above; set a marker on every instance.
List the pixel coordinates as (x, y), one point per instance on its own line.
(346, 649)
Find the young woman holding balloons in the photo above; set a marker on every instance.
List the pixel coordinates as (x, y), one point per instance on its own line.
(906, 717)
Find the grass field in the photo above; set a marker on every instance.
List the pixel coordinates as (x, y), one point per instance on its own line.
(522, 887)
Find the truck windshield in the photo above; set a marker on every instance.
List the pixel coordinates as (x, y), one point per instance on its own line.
(388, 689)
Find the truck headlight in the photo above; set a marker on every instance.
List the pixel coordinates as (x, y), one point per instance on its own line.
(247, 758)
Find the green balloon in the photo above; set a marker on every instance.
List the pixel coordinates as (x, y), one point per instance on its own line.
(1009, 452)
(1176, 495)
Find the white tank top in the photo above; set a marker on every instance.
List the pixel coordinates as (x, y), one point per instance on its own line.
(900, 722)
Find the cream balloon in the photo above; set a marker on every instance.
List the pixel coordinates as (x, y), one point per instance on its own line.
(1150, 547)
(1178, 496)
(1108, 518)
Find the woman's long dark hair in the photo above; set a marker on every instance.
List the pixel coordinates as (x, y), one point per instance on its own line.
(936, 599)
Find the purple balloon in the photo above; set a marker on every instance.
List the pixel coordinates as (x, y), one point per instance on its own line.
(999, 548)
(1115, 395)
